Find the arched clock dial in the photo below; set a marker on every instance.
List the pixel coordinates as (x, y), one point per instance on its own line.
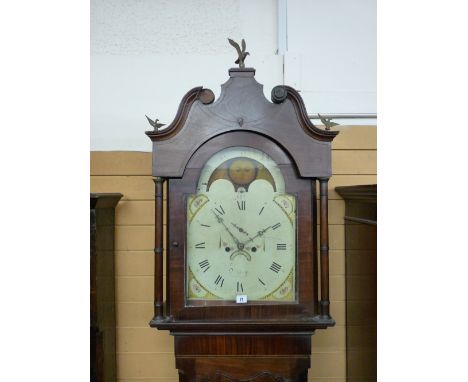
(241, 230)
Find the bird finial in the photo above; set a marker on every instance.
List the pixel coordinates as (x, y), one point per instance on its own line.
(242, 54)
(327, 122)
(154, 123)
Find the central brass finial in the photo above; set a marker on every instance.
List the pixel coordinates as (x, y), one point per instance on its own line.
(242, 53)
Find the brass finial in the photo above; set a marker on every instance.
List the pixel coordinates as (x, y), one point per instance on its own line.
(154, 123)
(241, 53)
(327, 122)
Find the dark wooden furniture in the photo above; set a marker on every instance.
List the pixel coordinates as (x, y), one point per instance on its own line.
(220, 340)
(103, 361)
(361, 281)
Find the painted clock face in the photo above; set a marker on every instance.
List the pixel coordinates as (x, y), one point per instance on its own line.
(241, 230)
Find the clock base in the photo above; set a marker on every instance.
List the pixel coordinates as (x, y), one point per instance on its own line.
(252, 357)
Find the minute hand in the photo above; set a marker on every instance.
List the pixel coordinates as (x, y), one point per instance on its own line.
(221, 220)
(260, 233)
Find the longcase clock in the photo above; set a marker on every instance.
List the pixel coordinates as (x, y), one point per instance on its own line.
(242, 256)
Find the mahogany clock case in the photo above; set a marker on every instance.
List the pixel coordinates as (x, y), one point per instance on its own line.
(220, 340)
(179, 189)
(242, 117)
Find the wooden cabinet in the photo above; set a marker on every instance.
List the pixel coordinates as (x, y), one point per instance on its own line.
(102, 320)
(247, 172)
(361, 281)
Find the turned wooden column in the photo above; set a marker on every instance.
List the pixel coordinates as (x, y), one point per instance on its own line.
(158, 250)
(324, 268)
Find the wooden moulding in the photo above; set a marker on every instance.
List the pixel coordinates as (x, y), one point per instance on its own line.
(104, 200)
(363, 193)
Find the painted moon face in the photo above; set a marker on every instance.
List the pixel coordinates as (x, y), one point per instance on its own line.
(242, 171)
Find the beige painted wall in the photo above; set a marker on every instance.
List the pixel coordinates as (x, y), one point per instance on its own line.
(146, 355)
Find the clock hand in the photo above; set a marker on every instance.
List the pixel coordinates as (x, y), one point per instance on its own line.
(240, 245)
(241, 230)
(254, 248)
(259, 233)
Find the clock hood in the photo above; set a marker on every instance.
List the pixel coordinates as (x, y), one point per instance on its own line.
(242, 106)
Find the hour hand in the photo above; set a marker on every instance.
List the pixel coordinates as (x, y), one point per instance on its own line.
(240, 229)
